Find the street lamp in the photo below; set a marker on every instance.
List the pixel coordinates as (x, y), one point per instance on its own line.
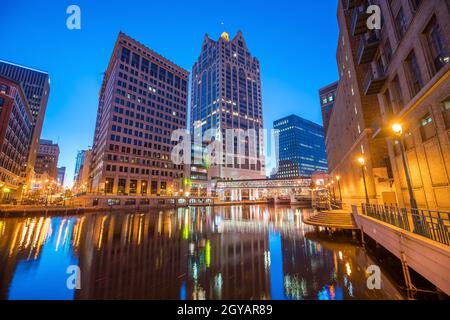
(398, 131)
(362, 162)
(338, 178)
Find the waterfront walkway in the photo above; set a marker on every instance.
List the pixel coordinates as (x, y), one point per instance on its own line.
(339, 219)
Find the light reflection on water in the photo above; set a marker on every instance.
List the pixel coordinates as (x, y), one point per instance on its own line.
(241, 252)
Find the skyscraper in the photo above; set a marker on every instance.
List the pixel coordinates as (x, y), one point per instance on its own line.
(143, 99)
(301, 147)
(327, 97)
(36, 85)
(15, 137)
(78, 163)
(61, 175)
(47, 160)
(226, 96)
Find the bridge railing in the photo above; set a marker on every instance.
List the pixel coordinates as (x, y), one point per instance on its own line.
(434, 225)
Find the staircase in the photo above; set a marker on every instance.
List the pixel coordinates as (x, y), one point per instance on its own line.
(339, 219)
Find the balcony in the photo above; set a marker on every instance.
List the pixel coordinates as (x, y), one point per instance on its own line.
(350, 4)
(359, 20)
(374, 81)
(368, 47)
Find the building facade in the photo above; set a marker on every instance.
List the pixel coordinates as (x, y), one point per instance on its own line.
(46, 167)
(83, 176)
(143, 99)
(226, 107)
(61, 175)
(15, 137)
(36, 86)
(300, 147)
(327, 96)
(398, 74)
(78, 163)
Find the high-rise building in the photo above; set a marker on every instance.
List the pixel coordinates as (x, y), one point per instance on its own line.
(61, 175)
(78, 163)
(225, 98)
(300, 147)
(36, 85)
(327, 96)
(15, 137)
(143, 99)
(399, 74)
(81, 184)
(47, 160)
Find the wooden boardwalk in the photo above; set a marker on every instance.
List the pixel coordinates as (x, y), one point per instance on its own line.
(339, 219)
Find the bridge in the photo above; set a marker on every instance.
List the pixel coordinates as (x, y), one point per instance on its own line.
(289, 191)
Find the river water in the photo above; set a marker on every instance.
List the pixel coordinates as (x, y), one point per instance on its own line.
(239, 252)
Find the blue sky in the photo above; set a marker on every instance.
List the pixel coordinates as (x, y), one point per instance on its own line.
(295, 41)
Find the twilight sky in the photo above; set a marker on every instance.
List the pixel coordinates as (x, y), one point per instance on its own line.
(295, 41)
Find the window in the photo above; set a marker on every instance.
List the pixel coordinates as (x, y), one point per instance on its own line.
(415, 77)
(133, 186)
(439, 54)
(446, 112)
(415, 4)
(396, 94)
(427, 129)
(121, 186)
(109, 185)
(2, 101)
(401, 23)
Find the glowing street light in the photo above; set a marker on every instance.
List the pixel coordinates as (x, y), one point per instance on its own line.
(398, 131)
(338, 178)
(362, 162)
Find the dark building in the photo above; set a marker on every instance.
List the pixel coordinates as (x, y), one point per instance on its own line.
(47, 160)
(327, 96)
(226, 96)
(143, 99)
(36, 86)
(15, 137)
(300, 148)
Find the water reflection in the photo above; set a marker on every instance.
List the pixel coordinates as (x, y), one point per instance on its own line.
(241, 252)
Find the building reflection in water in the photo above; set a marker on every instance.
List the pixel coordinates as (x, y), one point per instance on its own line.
(240, 252)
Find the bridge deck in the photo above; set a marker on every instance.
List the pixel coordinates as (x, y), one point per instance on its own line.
(339, 219)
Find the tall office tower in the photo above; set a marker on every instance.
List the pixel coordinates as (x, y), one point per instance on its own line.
(61, 175)
(226, 96)
(300, 147)
(327, 96)
(78, 163)
(47, 161)
(15, 137)
(143, 99)
(81, 184)
(36, 85)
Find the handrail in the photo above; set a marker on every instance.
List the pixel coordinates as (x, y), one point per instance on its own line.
(434, 225)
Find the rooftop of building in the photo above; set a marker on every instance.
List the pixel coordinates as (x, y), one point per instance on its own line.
(22, 66)
(296, 117)
(123, 35)
(329, 88)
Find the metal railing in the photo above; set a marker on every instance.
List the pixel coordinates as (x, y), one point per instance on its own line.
(434, 225)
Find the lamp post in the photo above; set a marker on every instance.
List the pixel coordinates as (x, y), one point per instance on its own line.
(362, 162)
(398, 131)
(338, 178)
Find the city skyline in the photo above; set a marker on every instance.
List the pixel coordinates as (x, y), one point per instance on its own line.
(77, 94)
